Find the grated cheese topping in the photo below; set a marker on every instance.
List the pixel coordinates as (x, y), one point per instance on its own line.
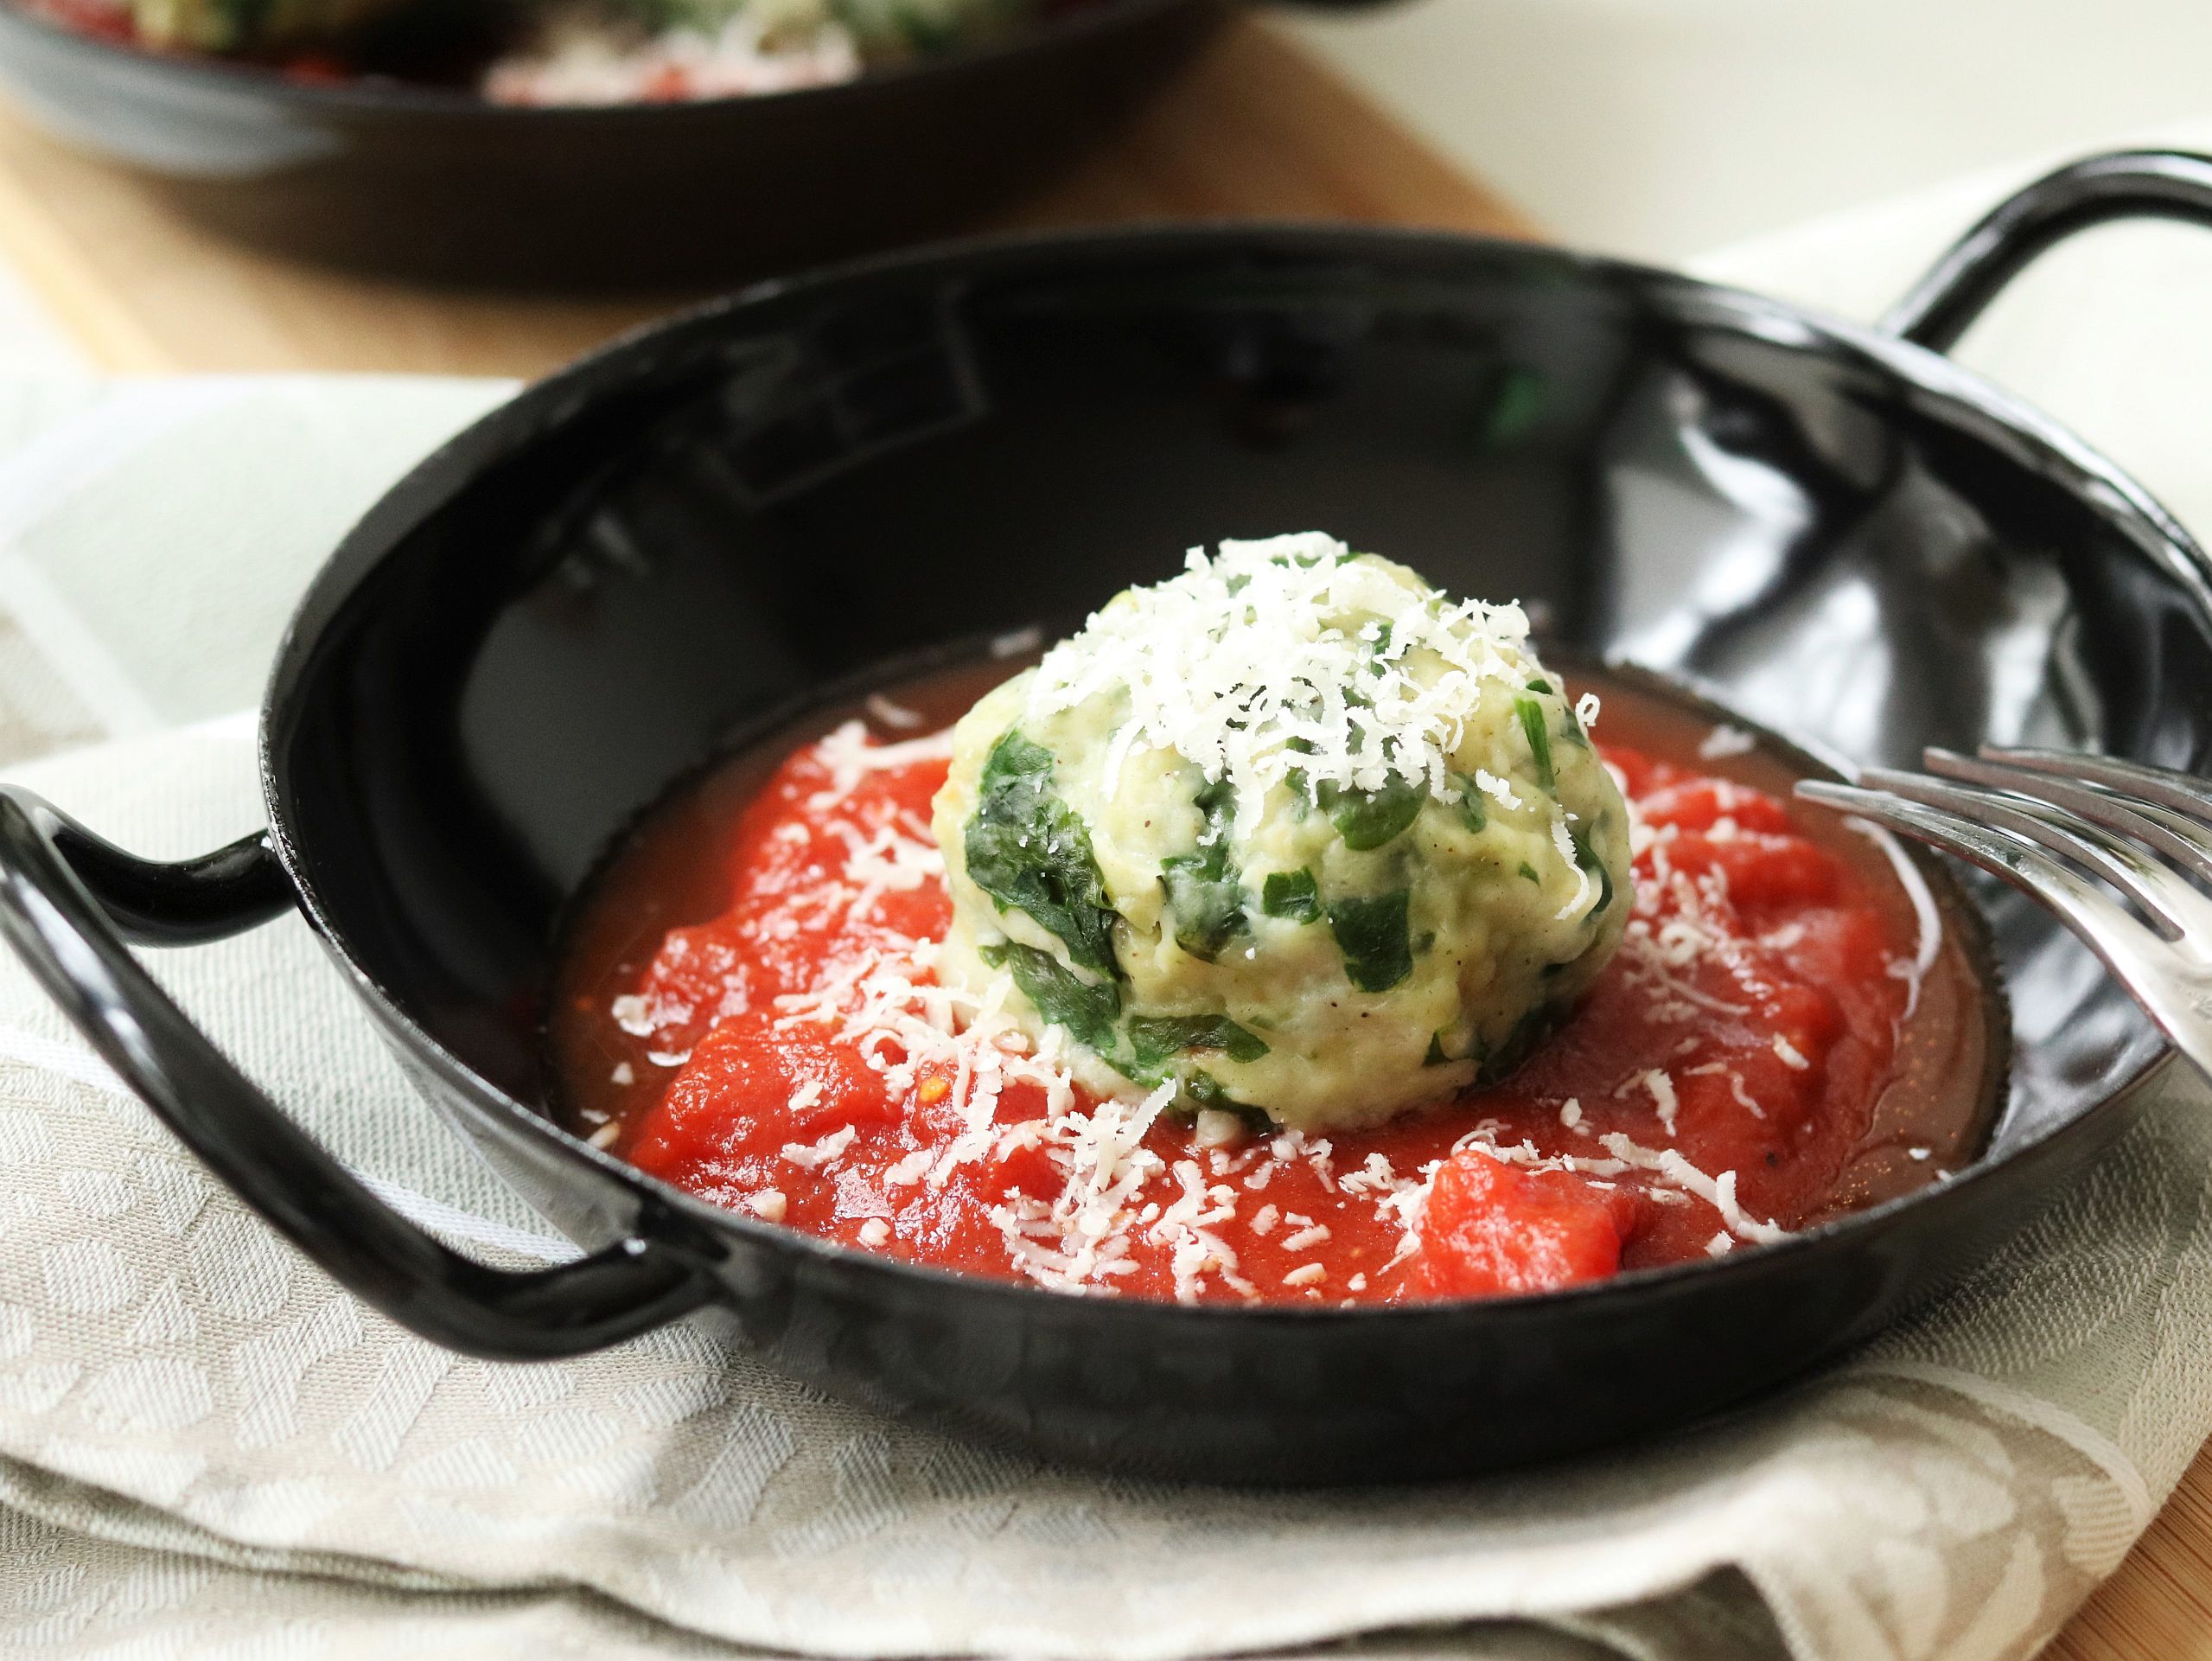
(1585, 891)
(893, 714)
(1743, 1098)
(1242, 665)
(1913, 970)
(851, 757)
(1719, 1192)
(812, 1156)
(1664, 1101)
(1724, 741)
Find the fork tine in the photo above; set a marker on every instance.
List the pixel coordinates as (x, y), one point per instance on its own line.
(2105, 926)
(2180, 839)
(2183, 792)
(2119, 862)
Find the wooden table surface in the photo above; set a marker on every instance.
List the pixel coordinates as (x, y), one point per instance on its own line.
(1255, 128)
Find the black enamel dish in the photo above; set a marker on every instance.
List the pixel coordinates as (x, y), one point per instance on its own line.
(433, 184)
(575, 600)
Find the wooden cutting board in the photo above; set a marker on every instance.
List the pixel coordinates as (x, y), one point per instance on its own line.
(1255, 128)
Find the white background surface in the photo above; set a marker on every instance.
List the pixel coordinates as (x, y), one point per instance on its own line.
(1656, 128)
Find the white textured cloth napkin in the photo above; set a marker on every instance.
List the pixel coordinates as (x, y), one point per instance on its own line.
(204, 1447)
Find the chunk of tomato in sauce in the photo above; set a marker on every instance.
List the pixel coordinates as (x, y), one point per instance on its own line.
(1491, 1230)
(747, 1091)
(802, 852)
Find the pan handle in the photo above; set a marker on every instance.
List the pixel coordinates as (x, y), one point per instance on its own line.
(68, 901)
(2127, 184)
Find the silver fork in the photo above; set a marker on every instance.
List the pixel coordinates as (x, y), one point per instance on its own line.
(2039, 819)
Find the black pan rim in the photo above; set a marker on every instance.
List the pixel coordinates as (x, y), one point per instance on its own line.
(371, 97)
(2125, 506)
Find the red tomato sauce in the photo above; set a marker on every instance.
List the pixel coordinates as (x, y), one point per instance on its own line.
(1768, 1047)
(103, 20)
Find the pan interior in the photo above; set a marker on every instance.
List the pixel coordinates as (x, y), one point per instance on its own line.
(564, 612)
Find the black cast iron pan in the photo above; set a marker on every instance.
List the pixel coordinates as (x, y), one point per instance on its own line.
(569, 606)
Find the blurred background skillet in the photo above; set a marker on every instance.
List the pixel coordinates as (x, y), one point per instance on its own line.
(436, 181)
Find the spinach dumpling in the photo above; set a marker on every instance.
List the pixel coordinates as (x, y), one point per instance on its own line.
(1292, 832)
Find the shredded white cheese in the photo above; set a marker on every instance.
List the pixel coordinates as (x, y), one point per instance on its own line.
(1724, 741)
(1663, 1098)
(642, 1016)
(1719, 1192)
(1236, 666)
(1735, 1084)
(893, 714)
(1585, 891)
(910, 1170)
(1217, 1127)
(851, 755)
(1929, 919)
(1496, 788)
(813, 1156)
